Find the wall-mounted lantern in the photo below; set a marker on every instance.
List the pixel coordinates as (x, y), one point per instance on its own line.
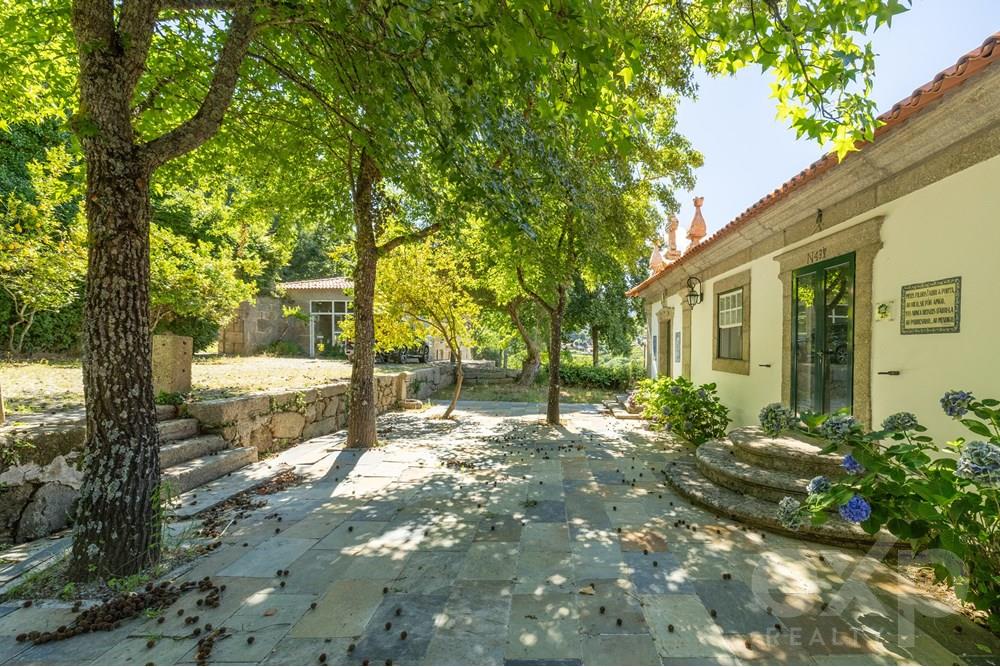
(694, 295)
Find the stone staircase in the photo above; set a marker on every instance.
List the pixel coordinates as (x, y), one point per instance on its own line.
(617, 408)
(188, 458)
(745, 476)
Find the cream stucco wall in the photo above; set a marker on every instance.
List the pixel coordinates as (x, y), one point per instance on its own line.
(949, 228)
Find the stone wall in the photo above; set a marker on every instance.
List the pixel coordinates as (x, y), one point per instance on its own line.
(41, 455)
(256, 325)
(40, 478)
(272, 421)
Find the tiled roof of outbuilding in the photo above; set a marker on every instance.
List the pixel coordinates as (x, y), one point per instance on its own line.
(337, 282)
(967, 66)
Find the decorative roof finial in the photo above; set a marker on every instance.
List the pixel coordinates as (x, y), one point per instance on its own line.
(697, 230)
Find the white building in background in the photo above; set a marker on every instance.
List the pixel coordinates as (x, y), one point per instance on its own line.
(871, 284)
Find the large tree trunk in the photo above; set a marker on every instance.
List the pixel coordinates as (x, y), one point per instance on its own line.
(533, 357)
(118, 524)
(362, 411)
(555, 354)
(595, 344)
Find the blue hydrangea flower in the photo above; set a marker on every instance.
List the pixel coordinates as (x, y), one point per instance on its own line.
(818, 485)
(979, 462)
(667, 410)
(901, 421)
(775, 418)
(856, 510)
(851, 465)
(788, 513)
(839, 427)
(702, 393)
(956, 403)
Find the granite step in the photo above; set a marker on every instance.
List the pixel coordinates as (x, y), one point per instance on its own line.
(688, 481)
(165, 412)
(177, 429)
(785, 453)
(716, 461)
(195, 472)
(174, 452)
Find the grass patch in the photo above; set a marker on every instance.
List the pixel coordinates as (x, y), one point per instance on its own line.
(513, 393)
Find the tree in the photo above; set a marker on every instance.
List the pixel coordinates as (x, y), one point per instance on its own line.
(605, 312)
(421, 292)
(124, 55)
(191, 280)
(41, 239)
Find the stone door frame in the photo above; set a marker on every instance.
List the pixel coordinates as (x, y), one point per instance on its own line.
(864, 240)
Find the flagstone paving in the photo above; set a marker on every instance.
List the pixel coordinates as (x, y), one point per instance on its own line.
(498, 540)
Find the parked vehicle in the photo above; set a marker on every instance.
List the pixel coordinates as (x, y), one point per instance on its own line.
(419, 353)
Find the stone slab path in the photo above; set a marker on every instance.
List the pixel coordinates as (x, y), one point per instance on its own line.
(498, 540)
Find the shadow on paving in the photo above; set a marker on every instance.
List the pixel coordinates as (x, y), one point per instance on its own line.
(498, 540)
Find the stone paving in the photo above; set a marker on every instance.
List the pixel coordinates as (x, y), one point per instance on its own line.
(498, 540)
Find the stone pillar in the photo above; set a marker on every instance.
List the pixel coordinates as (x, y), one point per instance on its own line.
(172, 364)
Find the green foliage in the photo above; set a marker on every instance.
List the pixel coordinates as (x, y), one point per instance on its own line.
(42, 256)
(693, 412)
(53, 331)
(617, 377)
(283, 348)
(947, 509)
(192, 281)
(605, 309)
(170, 398)
(204, 332)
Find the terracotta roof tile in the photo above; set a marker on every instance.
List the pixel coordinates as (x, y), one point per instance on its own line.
(337, 282)
(967, 66)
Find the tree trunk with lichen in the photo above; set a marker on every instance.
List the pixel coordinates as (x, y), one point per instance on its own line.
(362, 411)
(118, 519)
(118, 524)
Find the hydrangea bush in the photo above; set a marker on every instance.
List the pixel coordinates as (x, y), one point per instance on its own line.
(776, 418)
(902, 481)
(693, 412)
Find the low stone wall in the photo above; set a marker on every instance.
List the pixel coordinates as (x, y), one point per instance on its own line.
(40, 473)
(272, 421)
(488, 375)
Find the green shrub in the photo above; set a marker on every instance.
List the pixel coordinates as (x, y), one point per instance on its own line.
(615, 378)
(204, 333)
(679, 406)
(283, 348)
(52, 331)
(899, 479)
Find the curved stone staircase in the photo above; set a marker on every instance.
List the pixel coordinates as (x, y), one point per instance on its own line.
(745, 476)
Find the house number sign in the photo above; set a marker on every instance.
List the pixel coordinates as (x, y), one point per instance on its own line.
(931, 307)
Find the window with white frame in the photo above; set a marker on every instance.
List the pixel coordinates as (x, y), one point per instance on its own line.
(730, 319)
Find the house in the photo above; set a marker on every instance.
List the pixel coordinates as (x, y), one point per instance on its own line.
(322, 305)
(869, 284)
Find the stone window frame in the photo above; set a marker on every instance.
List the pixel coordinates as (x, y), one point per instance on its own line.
(864, 239)
(737, 281)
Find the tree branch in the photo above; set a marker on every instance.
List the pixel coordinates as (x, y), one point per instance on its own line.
(418, 235)
(534, 295)
(207, 120)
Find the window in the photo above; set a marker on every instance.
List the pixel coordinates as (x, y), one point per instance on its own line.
(730, 318)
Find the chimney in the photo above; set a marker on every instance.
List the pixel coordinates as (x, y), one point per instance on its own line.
(672, 226)
(697, 230)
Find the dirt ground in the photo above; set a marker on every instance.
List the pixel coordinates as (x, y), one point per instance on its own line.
(56, 385)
